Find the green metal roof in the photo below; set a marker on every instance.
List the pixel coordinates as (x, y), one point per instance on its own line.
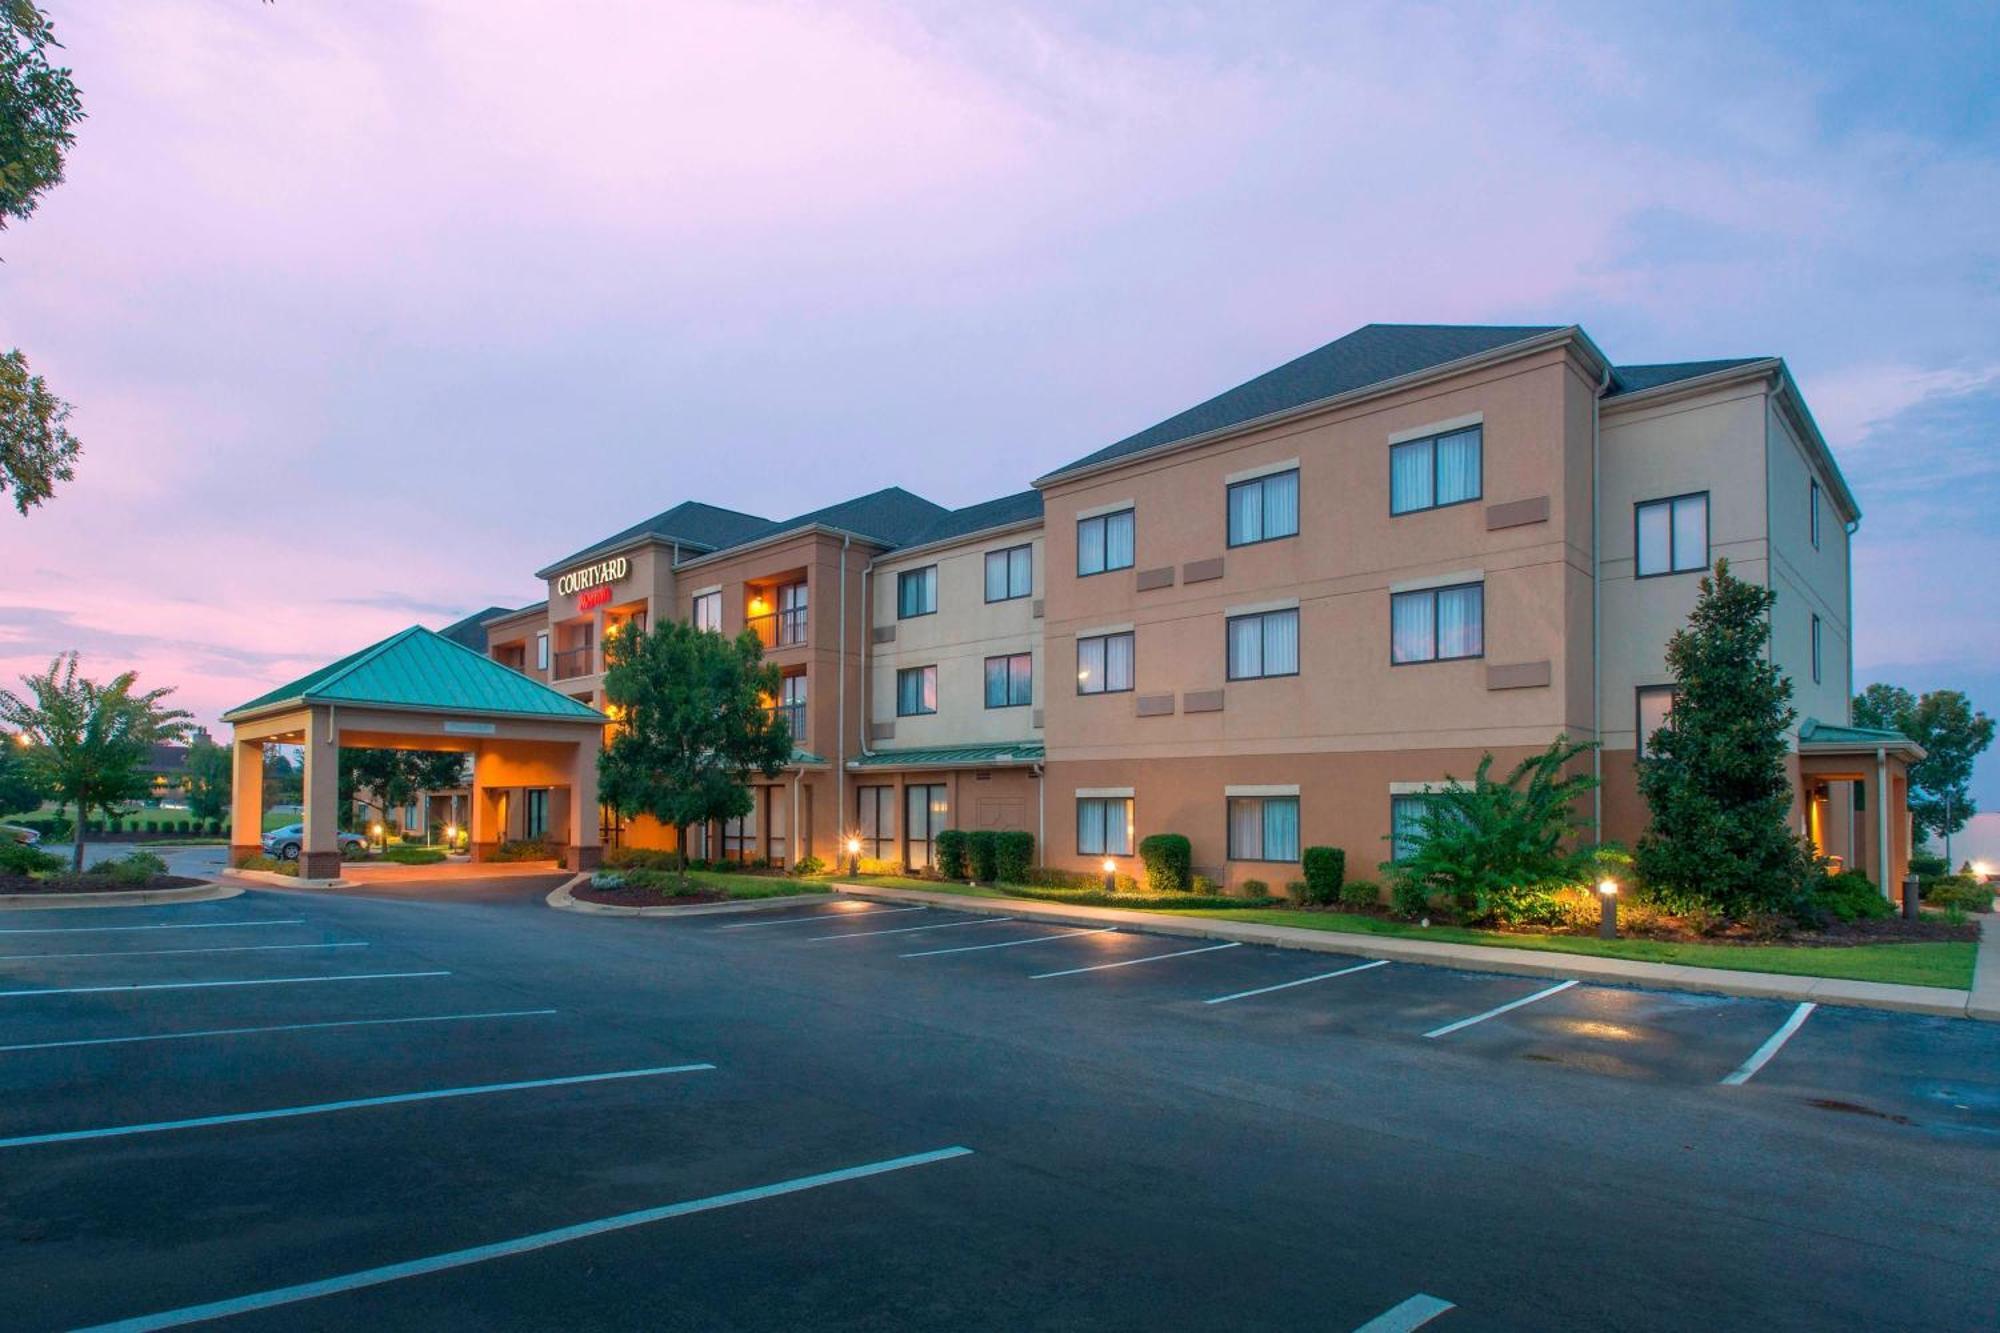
(952, 756)
(806, 757)
(421, 670)
(1812, 731)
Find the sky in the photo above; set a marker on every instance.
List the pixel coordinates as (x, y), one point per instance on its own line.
(368, 311)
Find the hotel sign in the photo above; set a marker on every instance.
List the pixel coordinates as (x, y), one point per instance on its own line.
(602, 573)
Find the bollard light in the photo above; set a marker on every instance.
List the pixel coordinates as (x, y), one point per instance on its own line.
(853, 857)
(1110, 875)
(1607, 915)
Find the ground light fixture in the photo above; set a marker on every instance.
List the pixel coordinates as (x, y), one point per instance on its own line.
(853, 857)
(1607, 909)
(1110, 875)
(381, 837)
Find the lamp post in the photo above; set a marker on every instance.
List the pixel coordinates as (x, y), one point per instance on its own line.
(853, 857)
(1607, 909)
(451, 837)
(1110, 875)
(381, 837)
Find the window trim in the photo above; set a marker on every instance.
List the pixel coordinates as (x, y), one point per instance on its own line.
(1229, 490)
(901, 576)
(1814, 494)
(1818, 642)
(694, 609)
(1639, 693)
(1431, 439)
(1008, 551)
(1229, 669)
(1229, 830)
(1131, 825)
(1114, 634)
(1009, 658)
(917, 712)
(1396, 855)
(1432, 593)
(1708, 536)
(1105, 517)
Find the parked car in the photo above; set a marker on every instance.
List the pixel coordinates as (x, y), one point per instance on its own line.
(285, 843)
(15, 833)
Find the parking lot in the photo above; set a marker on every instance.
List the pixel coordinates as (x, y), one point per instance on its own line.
(458, 1108)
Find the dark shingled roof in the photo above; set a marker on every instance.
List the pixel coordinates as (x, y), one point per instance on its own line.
(1631, 379)
(892, 516)
(690, 522)
(470, 631)
(1000, 513)
(1369, 355)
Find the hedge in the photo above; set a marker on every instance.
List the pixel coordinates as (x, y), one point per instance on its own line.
(983, 853)
(951, 854)
(1326, 870)
(1014, 853)
(1169, 861)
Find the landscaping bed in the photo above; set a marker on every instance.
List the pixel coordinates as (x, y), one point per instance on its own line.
(87, 883)
(667, 888)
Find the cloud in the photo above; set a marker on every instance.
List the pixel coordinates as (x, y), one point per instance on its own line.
(1851, 405)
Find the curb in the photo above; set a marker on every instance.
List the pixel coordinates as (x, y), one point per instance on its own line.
(1985, 1000)
(562, 899)
(1935, 1000)
(200, 893)
(278, 881)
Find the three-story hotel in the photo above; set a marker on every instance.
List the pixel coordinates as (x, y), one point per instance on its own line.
(1277, 619)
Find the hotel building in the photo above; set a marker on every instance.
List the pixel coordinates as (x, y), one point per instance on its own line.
(1275, 620)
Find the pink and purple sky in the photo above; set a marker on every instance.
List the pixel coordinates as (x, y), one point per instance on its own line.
(469, 284)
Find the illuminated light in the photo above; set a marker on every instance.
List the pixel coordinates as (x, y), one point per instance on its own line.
(1607, 887)
(854, 846)
(1982, 868)
(21, 739)
(1083, 673)
(1109, 865)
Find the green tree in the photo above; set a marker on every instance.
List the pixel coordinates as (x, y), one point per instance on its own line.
(36, 448)
(385, 780)
(1952, 733)
(18, 792)
(694, 722)
(1715, 777)
(90, 742)
(209, 777)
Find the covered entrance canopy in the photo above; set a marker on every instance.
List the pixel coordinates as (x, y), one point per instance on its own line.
(417, 691)
(1854, 788)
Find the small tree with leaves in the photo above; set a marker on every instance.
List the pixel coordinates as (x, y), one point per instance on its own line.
(385, 780)
(693, 723)
(89, 743)
(1953, 734)
(1715, 776)
(18, 791)
(210, 775)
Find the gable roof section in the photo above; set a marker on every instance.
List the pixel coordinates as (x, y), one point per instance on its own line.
(1372, 354)
(1021, 507)
(418, 669)
(692, 523)
(1632, 379)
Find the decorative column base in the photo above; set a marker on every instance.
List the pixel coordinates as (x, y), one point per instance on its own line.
(319, 865)
(582, 858)
(239, 855)
(484, 851)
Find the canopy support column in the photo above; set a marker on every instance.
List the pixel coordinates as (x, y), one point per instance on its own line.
(320, 858)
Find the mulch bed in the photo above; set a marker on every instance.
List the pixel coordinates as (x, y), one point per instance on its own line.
(629, 896)
(92, 884)
(1928, 929)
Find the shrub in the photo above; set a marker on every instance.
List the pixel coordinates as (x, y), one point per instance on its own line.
(1850, 897)
(951, 854)
(1203, 884)
(271, 863)
(414, 856)
(982, 854)
(650, 858)
(1169, 862)
(871, 866)
(809, 865)
(524, 850)
(1927, 866)
(1326, 868)
(134, 868)
(181, 827)
(1360, 893)
(1081, 881)
(1297, 890)
(1256, 888)
(152, 826)
(1960, 891)
(1013, 853)
(17, 858)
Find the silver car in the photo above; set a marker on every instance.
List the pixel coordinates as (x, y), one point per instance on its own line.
(285, 843)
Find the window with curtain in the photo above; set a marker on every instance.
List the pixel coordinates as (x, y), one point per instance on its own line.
(1104, 663)
(1437, 624)
(708, 612)
(1406, 827)
(1010, 573)
(1265, 644)
(1010, 680)
(916, 691)
(875, 822)
(535, 813)
(1104, 825)
(916, 592)
(1263, 828)
(1434, 472)
(1671, 535)
(1264, 509)
(1104, 542)
(926, 811)
(1656, 708)
(541, 652)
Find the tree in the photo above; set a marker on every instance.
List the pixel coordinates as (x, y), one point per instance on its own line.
(385, 780)
(39, 108)
(284, 783)
(1715, 776)
(209, 779)
(694, 721)
(90, 742)
(1952, 734)
(18, 792)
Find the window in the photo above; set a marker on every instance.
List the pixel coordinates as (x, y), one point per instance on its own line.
(927, 813)
(916, 691)
(1815, 650)
(1437, 624)
(708, 611)
(791, 614)
(1406, 825)
(1656, 709)
(1672, 535)
(916, 592)
(1265, 509)
(1814, 495)
(739, 836)
(1104, 825)
(1010, 681)
(542, 651)
(1104, 542)
(792, 705)
(875, 822)
(1104, 663)
(1435, 472)
(1263, 828)
(1010, 573)
(535, 814)
(1266, 644)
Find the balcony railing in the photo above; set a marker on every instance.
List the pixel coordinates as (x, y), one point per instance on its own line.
(780, 629)
(793, 716)
(573, 662)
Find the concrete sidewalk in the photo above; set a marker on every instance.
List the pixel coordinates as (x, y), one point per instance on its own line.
(1983, 1001)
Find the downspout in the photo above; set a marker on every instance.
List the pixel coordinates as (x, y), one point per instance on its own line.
(1882, 817)
(840, 741)
(1041, 813)
(1597, 621)
(1847, 697)
(867, 648)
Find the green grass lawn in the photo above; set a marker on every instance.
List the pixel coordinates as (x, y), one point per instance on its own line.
(747, 887)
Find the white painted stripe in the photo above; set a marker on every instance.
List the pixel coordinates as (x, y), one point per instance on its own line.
(159, 925)
(277, 1027)
(910, 930)
(541, 1240)
(1302, 981)
(159, 953)
(352, 1104)
(1450, 1028)
(1133, 962)
(823, 916)
(1772, 1045)
(1011, 944)
(205, 985)
(1413, 1313)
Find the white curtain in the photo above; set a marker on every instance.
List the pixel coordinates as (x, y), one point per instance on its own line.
(1118, 662)
(1090, 826)
(1246, 830)
(1281, 828)
(1281, 505)
(1412, 626)
(1118, 826)
(1406, 831)
(1655, 538)
(1461, 621)
(996, 682)
(1246, 648)
(1410, 476)
(1020, 571)
(1246, 514)
(1691, 532)
(1090, 666)
(1118, 540)
(1281, 643)
(996, 576)
(1090, 546)
(1458, 467)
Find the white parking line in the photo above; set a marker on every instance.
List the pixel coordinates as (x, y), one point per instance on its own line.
(204, 985)
(1302, 981)
(1450, 1028)
(277, 1027)
(823, 916)
(541, 1240)
(158, 925)
(159, 953)
(1133, 962)
(1010, 944)
(1413, 1313)
(352, 1104)
(1772, 1045)
(910, 930)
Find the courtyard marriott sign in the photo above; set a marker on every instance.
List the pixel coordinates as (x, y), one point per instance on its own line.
(602, 573)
